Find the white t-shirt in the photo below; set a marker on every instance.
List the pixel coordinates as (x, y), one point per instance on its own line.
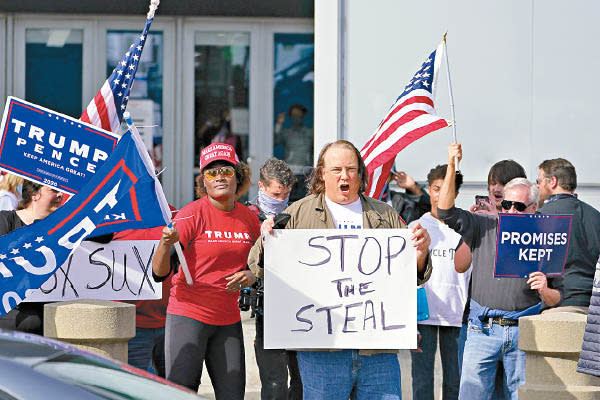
(346, 216)
(446, 289)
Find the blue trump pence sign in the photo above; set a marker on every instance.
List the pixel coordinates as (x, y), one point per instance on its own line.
(51, 148)
(531, 242)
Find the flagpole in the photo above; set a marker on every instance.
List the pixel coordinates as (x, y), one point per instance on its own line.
(162, 200)
(153, 6)
(451, 100)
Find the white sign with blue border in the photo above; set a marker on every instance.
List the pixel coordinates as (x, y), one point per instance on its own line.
(50, 148)
(531, 242)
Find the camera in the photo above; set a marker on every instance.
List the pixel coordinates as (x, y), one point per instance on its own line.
(252, 298)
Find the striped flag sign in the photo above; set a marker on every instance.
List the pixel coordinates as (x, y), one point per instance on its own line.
(107, 107)
(411, 117)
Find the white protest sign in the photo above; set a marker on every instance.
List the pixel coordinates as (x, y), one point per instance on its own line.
(119, 270)
(353, 289)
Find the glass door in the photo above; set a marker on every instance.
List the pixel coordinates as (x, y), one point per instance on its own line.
(293, 88)
(246, 73)
(221, 91)
(51, 64)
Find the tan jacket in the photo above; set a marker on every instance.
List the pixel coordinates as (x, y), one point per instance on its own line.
(311, 213)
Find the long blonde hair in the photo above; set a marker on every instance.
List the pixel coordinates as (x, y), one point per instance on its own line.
(10, 182)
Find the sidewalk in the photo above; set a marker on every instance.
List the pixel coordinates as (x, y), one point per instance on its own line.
(253, 380)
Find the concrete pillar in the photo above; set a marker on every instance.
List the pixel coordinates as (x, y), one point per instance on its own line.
(98, 326)
(552, 343)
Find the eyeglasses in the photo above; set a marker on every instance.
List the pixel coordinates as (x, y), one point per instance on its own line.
(212, 173)
(520, 207)
(339, 170)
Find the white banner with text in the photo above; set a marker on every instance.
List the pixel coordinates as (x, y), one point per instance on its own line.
(343, 288)
(119, 270)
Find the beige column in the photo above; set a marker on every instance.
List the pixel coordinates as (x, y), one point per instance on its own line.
(98, 326)
(552, 343)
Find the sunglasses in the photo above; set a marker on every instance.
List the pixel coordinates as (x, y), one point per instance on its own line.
(212, 173)
(520, 207)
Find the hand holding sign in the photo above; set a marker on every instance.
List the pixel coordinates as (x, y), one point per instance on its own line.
(341, 288)
(421, 241)
(266, 227)
(538, 281)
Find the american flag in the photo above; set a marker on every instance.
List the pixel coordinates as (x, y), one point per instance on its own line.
(107, 107)
(411, 117)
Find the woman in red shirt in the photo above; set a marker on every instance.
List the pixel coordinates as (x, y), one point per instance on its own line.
(203, 319)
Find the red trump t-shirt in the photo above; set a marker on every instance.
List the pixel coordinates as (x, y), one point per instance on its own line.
(216, 245)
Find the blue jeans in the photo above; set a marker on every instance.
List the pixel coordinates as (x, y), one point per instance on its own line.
(147, 350)
(462, 339)
(423, 363)
(483, 350)
(336, 374)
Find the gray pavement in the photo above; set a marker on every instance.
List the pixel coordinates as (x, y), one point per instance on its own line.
(253, 380)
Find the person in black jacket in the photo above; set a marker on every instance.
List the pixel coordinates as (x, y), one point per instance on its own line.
(274, 187)
(557, 181)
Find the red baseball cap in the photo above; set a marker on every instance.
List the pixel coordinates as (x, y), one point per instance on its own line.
(217, 152)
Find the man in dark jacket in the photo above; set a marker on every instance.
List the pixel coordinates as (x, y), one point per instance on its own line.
(274, 185)
(557, 181)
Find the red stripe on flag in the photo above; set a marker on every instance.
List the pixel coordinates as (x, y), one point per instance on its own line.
(409, 116)
(404, 141)
(102, 111)
(85, 117)
(380, 184)
(411, 100)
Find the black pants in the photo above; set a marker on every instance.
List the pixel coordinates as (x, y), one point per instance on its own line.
(188, 343)
(273, 367)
